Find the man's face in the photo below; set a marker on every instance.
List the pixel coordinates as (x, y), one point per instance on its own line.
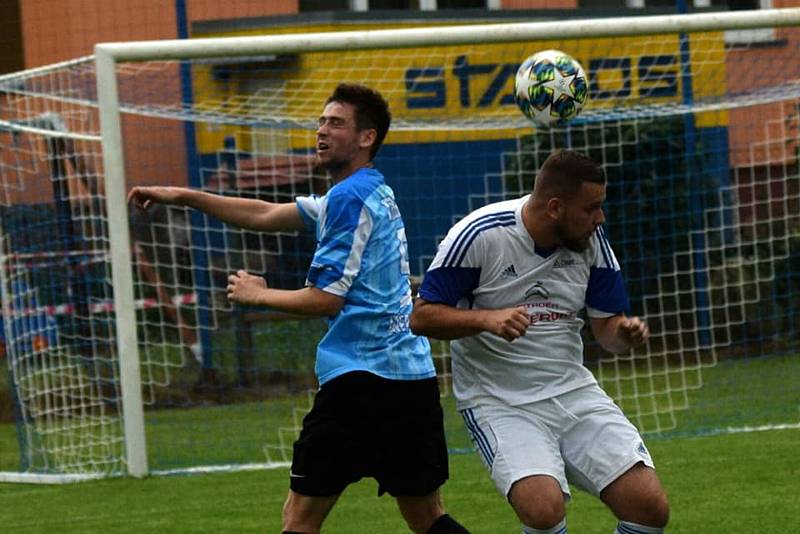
(581, 216)
(338, 138)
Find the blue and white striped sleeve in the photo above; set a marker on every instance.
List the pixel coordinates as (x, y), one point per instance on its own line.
(455, 271)
(605, 292)
(344, 231)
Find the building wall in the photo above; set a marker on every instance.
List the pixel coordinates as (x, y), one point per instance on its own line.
(56, 31)
(768, 142)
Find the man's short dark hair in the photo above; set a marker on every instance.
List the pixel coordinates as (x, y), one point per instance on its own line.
(371, 110)
(563, 172)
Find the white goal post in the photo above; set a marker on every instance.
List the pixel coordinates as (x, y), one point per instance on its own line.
(700, 291)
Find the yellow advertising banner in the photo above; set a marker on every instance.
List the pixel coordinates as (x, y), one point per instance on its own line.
(453, 93)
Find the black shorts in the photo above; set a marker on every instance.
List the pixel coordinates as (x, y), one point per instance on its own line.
(362, 425)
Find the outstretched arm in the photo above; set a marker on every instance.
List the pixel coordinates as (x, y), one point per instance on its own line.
(441, 321)
(619, 333)
(242, 212)
(252, 290)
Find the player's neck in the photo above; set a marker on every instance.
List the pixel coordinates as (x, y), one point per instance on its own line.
(537, 226)
(341, 173)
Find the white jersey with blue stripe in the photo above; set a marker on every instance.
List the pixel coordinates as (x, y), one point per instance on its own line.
(488, 260)
(361, 255)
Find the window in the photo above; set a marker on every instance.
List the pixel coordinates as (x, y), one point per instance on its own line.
(393, 4)
(731, 5)
(305, 6)
(731, 37)
(741, 37)
(737, 5)
(460, 4)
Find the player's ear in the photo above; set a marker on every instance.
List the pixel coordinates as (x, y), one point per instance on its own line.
(367, 137)
(554, 208)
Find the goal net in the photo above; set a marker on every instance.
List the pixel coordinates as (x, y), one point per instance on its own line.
(695, 124)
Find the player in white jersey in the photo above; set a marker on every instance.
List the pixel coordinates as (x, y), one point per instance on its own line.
(507, 286)
(377, 413)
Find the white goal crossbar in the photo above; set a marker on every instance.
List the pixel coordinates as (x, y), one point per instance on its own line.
(450, 35)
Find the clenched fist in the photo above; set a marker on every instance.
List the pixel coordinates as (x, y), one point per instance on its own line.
(246, 288)
(633, 331)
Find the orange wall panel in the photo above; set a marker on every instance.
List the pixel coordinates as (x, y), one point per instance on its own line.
(56, 31)
(755, 136)
(205, 10)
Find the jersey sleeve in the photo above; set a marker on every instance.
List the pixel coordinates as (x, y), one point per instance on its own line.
(454, 272)
(310, 208)
(605, 292)
(344, 230)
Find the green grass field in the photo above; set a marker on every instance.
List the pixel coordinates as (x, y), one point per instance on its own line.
(724, 483)
(730, 483)
(744, 393)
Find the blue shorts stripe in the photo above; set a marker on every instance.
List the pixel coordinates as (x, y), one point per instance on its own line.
(464, 234)
(478, 436)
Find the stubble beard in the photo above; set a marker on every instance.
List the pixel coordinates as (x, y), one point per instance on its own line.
(571, 243)
(331, 166)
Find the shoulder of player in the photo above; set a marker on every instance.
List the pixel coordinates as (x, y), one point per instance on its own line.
(359, 186)
(371, 198)
(482, 232)
(491, 216)
(600, 248)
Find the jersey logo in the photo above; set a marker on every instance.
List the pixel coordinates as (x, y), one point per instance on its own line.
(562, 263)
(391, 207)
(398, 323)
(509, 272)
(642, 450)
(538, 290)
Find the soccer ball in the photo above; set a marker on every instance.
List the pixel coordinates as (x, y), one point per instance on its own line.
(551, 87)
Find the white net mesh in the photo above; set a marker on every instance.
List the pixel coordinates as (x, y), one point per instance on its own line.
(699, 140)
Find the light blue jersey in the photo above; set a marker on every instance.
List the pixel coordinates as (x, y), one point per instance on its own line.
(362, 256)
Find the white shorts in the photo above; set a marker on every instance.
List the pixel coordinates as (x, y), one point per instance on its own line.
(580, 437)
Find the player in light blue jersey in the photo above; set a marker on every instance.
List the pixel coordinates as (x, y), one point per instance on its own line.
(377, 412)
(362, 243)
(507, 286)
